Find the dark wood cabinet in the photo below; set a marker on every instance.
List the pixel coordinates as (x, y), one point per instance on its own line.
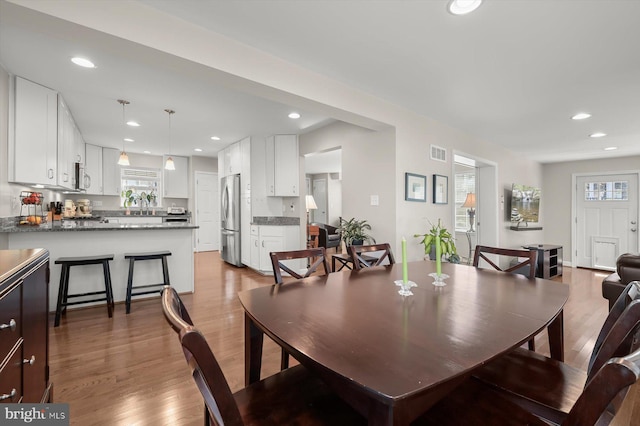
(24, 326)
(549, 263)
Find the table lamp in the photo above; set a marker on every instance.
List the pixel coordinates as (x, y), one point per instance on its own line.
(470, 204)
(310, 204)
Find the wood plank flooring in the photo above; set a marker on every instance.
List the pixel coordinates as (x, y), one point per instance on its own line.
(129, 370)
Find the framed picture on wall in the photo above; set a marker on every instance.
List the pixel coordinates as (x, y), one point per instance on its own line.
(415, 187)
(440, 189)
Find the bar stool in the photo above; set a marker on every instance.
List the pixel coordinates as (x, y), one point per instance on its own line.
(156, 288)
(63, 291)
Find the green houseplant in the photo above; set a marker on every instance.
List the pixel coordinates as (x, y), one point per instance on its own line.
(354, 231)
(129, 197)
(447, 243)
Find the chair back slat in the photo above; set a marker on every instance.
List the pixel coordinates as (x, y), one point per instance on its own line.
(529, 255)
(359, 261)
(206, 371)
(277, 258)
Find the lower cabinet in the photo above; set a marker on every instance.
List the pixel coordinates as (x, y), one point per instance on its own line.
(24, 326)
(274, 238)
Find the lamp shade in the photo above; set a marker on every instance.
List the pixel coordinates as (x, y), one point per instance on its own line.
(124, 159)
(310, 203)
(470, 201)
(169, 164)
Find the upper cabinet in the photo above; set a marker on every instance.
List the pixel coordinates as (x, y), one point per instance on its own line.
(229, 160)
(176, 182)
(93, 169)
(33, 146)
(282, 163)
(245, 166)
(111, 180)
(66, 146)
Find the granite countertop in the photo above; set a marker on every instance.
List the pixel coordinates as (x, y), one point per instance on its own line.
(276, 220)
(72, 226)
(134, 213)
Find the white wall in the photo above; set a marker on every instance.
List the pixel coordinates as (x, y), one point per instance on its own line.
(556, 194)
(238, 65)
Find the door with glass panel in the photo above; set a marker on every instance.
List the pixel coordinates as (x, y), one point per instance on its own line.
(606, 219)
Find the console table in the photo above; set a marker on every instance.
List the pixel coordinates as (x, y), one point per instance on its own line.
(549, 263)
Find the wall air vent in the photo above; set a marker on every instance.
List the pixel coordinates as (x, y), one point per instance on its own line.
(438, 153)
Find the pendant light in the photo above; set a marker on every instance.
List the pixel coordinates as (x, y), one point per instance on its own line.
(169, 165)
(124, 158)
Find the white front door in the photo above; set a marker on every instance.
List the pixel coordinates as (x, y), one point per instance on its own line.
(207, 211)
(606, 219)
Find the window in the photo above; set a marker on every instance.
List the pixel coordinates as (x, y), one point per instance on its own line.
(142, 180)
(606, 191)
(465, 183)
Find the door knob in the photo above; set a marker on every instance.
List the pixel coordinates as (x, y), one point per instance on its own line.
(633, 229)
(633, 222)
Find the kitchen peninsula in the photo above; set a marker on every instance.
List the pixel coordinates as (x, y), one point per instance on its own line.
(87, 238)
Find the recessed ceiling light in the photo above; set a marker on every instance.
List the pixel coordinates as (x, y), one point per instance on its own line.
(294, 115)
(581, 116)
(83, 62)
(462, 7)
(215, 138)
(147, 152)
(198, 150)
(128, 140)
(597, 135)
(611, 148)
(133, 124)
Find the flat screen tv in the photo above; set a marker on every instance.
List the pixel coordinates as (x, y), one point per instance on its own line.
(525, 203)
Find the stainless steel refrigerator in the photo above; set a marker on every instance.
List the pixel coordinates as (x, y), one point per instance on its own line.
(230, 219)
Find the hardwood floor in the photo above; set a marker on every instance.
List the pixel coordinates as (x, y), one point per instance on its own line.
(129, 370)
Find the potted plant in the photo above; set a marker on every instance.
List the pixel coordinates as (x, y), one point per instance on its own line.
(447, 243)
(354, 231)
(130, 198)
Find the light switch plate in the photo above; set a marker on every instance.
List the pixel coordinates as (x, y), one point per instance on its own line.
(375, 200)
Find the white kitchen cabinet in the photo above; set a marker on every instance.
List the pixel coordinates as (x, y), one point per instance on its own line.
(93, 169)
(278, 238)
(66, 148)
(111, 180)
(254, 250)
(232, 159)
(245, 165)
(282, 163)
(33, 146)
(245, 226)
(79, 154)
(176, 182)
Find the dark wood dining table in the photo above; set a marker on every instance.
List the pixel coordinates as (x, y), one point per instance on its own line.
(390, 356)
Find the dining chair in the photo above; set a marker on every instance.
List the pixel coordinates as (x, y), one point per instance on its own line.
(359, 261)
(292, 396)
(525, 267)
(550, 388)
(316, 254)
(528, 255)
(277, 258)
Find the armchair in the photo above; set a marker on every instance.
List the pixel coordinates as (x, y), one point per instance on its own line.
(329, 236)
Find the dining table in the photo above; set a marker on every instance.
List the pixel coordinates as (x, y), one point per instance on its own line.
(390, 356)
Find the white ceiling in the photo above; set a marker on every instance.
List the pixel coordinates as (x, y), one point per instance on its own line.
(511, 73)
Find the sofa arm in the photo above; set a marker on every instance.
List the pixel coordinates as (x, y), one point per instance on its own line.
(612, 287)
(628, 268)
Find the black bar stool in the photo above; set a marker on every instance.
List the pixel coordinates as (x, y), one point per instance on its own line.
(152, 288)
(63, 291)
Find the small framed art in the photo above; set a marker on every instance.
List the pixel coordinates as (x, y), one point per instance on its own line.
(415, 187)
(440, 189)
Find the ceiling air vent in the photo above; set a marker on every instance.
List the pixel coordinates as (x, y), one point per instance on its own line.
(438, 153)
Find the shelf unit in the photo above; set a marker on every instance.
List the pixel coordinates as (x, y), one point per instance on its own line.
(549, 263)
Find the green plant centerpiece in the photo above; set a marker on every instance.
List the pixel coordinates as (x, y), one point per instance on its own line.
(354, 231)
(129, 197)
(447, 242)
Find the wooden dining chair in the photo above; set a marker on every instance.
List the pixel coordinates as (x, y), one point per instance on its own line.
(474, 403)
(292, 396)
(528, 265)
(550, 388)
(360, 261)
(317, 256)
